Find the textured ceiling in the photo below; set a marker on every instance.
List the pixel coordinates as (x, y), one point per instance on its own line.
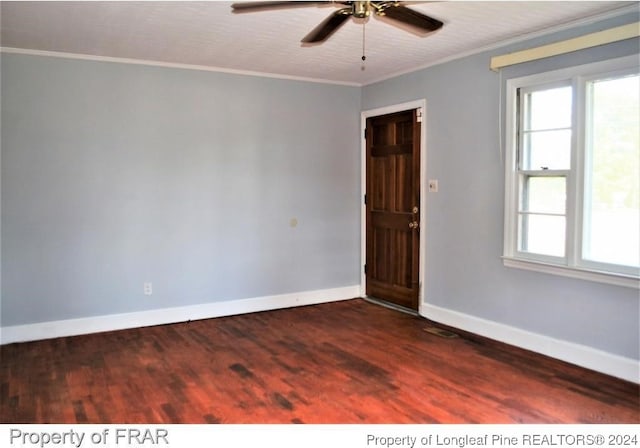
(208, 34)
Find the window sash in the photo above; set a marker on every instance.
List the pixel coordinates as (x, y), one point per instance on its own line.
(524, 117)
(525, 248)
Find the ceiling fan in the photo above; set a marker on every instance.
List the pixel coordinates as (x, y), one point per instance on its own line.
(359, 9)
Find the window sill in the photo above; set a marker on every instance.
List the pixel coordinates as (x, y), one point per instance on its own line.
(579, 273)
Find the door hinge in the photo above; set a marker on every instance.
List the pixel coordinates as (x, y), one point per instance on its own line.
(365, 269)
(419, 115)
(365, 199)
(365, 133)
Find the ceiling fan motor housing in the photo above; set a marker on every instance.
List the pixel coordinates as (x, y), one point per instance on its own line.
(361, 9)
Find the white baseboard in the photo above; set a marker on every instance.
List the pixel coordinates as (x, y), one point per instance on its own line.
(600, 361)
(73, 327)
(581, 355)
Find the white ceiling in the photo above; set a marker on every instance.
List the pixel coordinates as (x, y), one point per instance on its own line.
(207, 34)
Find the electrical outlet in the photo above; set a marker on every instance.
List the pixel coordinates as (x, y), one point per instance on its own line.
(148, 288)
(433, 186)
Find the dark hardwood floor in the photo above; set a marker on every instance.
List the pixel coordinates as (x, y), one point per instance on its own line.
(343, 362)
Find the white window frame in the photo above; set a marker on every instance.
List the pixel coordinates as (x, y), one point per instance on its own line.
(572, 264)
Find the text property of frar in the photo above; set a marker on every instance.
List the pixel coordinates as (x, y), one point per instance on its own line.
(127, 437)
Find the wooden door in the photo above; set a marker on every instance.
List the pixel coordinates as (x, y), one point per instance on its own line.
(392, 208)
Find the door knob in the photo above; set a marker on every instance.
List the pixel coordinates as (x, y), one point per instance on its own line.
(415, 209)
(413, 225)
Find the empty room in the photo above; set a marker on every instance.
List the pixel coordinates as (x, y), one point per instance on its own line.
(320, 212)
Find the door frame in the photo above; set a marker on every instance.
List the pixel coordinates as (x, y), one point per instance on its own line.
(416, 104)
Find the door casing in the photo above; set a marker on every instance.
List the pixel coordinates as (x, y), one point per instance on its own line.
(417, 104)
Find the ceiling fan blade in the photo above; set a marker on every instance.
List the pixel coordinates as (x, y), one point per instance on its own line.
(242, 7)
(327, 27)
(412, 18)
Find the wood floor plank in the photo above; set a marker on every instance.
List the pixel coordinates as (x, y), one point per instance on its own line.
(342, 362)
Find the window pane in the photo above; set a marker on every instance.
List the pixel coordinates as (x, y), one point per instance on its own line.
(542, 234)
(612, 187)
(547, 149)
(548, 109)
(544, 195)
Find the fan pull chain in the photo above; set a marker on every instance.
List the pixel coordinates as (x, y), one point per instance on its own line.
(364, 58)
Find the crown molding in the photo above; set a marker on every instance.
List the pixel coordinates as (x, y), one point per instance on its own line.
(206, 68)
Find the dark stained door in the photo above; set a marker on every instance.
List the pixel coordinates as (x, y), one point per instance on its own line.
(392, 208)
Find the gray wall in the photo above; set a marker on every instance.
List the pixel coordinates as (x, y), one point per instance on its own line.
(464, 228)
(113, 175)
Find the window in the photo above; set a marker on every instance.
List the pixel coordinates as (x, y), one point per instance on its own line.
(573, 172)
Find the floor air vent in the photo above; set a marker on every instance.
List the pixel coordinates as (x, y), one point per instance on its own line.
(441, 332)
